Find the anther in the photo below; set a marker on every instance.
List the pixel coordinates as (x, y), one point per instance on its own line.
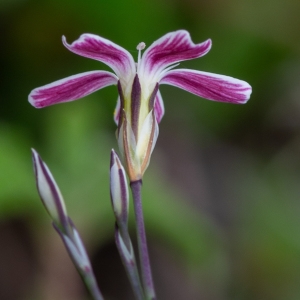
(141, 46)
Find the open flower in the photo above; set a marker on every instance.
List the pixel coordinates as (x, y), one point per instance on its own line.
(140, 106)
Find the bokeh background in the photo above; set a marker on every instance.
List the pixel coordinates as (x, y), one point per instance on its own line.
(221, 195)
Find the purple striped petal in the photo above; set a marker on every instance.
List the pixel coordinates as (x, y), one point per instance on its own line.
(98, 48)
(71, 88)
(209, 86)
(159, 108)
(172, 48)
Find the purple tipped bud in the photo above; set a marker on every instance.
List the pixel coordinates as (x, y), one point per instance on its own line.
(49, 191)
(119, 190)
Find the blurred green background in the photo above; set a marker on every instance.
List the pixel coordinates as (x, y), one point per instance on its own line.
(221, 195)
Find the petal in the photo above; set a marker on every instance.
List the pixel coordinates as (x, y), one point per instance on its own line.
(127, 146)
(171, 48)
(144, 137)
(71, 88)
(98, 48)
(147, 140)
(209, 86)
(159, 108)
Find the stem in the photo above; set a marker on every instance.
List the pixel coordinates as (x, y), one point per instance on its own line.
(142, 241)
(91, 285)
(77, 253)
(127, 256)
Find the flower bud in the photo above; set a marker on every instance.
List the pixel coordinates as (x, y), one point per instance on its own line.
(49, 192)
(119, 190)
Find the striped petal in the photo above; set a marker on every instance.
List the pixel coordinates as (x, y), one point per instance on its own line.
(98, 48)
(209, 86)
(159, 108)
(170, 49)
(71, 88)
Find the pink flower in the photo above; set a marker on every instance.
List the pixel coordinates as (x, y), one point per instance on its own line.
(140, 106)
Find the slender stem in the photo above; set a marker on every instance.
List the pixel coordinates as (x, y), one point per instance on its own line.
(127, 256)
(78, 254)
(91, 285)
(142, 241)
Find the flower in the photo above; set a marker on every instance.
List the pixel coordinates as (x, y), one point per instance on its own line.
(140, 106)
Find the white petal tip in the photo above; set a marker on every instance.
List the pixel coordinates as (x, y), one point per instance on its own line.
(31, 100)
(34, 152)
(209, 41)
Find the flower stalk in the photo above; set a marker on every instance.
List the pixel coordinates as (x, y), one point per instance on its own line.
(142, 241)
(78, 254)
(129, 262)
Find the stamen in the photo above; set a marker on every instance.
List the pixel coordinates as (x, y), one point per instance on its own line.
(141, 46)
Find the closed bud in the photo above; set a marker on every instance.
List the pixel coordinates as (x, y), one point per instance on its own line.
(119, 190)
(49, 192)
